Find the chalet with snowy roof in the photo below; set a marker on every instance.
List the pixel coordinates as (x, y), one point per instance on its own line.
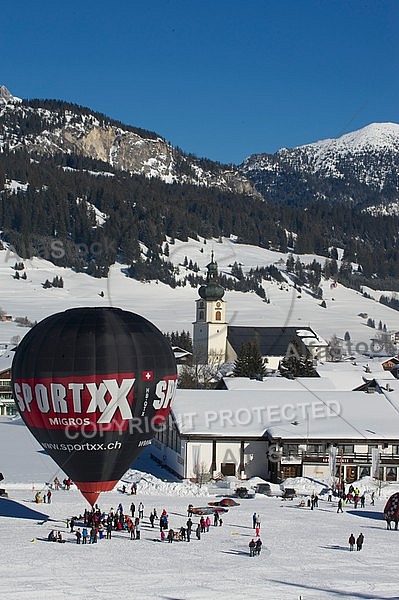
(7, 404)
(215, 340)
(392, 365)
(279, 428)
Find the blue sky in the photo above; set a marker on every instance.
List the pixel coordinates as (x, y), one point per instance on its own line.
(220, 79)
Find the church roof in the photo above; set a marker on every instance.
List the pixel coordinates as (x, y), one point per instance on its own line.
(272, 341)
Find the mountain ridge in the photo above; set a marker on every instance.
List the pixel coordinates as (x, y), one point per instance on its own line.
(56, 126)
(62, 164)
(368, 157)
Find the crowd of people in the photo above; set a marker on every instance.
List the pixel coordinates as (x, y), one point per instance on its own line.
(95, 524)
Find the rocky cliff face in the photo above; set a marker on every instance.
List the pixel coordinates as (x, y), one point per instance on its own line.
(47, 128)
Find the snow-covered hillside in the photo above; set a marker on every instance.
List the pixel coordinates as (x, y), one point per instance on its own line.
(174, 309)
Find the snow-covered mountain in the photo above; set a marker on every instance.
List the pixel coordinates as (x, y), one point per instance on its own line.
(48, 127)
(361, 167)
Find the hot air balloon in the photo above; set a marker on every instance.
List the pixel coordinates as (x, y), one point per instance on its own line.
(93, 385)
(391, 510)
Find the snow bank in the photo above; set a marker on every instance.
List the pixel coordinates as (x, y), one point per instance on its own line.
(150, 485)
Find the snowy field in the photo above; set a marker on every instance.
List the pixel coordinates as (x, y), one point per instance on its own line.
(174, 309)
(305, 553)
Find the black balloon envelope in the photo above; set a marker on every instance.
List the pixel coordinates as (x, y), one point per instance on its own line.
(93, 385)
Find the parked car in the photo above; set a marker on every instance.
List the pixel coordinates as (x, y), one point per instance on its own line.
(243, 492)
(289, 494)
(263, 488)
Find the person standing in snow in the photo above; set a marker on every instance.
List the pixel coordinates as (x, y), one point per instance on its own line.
(254, 518)
(141, 510)
(132, 509)
(202, 524)
(189, 528)
(109, 529)
(84, 535)
(340, 509)
(351, 542)
(252, 547)
(78, 536)
(198, 532)
(258, 546)
(171, 535)
(359, 541)
(215, 518)
(138, 531)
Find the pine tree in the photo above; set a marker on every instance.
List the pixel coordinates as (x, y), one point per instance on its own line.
(296, 364)
(250, 362)
(290, 264)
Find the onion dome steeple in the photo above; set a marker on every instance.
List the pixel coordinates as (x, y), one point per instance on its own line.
(212, 290)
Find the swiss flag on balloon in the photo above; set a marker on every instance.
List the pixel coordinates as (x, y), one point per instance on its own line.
(147, 375)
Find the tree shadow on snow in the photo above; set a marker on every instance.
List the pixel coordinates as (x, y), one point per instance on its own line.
(10, 508)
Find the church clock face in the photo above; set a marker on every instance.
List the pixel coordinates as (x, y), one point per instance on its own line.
(218, 304)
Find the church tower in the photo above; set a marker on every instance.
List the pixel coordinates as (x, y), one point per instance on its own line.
(210, 326)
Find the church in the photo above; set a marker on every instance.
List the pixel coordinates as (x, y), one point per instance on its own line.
(217, 342)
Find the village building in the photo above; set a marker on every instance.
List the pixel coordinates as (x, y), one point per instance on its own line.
(279, 428)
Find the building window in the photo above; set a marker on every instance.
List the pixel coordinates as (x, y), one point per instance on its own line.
(316, 449)
(395, 449)
(346, 449)
(364, 472)
(291, 449)
(201, 315)
(391, 474)
(218, 315)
